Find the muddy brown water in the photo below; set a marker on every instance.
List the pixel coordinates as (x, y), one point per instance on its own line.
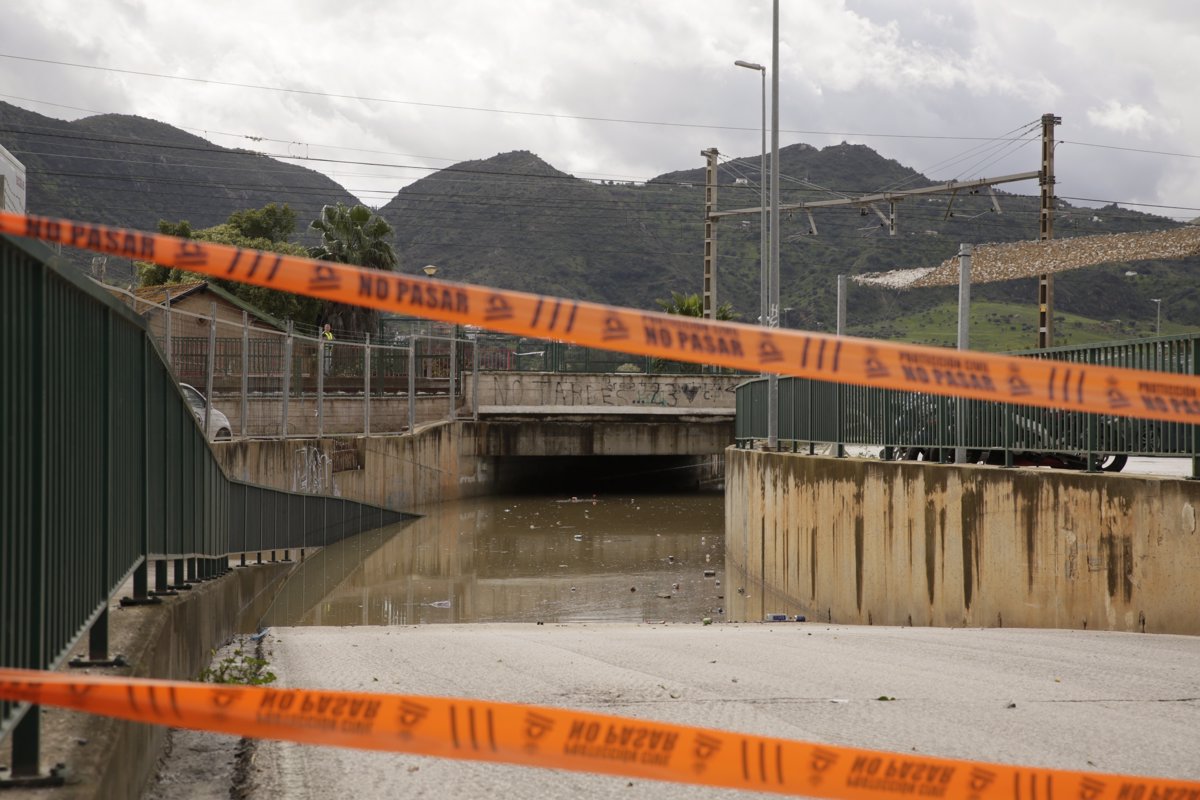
(626, 558)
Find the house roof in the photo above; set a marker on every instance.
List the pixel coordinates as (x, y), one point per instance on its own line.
(152, 297)
(157, 295)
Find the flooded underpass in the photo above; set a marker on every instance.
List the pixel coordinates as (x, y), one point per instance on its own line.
(522, 558)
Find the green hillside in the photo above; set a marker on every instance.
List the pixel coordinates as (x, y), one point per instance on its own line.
(515, 221)
(1004, 327)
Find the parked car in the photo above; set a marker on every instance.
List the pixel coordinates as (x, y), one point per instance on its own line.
(219, 429)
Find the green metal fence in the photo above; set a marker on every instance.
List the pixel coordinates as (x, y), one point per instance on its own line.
(895, 424)
(105, 473)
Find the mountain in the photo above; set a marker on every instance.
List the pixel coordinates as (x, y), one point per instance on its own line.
(515, 221)
(131, 171)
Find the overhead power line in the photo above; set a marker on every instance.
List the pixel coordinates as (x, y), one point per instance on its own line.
(1130, 149)
(468, 174)
(1128, 203)
(450, 106)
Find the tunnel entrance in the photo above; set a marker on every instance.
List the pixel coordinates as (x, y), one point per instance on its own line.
(588, 475)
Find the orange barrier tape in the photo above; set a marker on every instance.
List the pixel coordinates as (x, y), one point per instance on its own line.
(562, 739)
(868, 362)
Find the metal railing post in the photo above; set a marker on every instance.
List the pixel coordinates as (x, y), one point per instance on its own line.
(1090, 438)
(808, 419)
(322, 343)
(367, 387)
(287, 381)
(475, 378)
(209, 367)
(245, 370)
(964, 338)
(167, 348)
(453, 392)
(412, 384)
(1008, 435)
(1195, 429)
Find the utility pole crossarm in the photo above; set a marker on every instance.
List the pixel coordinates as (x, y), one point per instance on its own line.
(890, 197)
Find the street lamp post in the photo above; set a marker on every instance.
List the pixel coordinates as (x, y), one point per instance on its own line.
(773, 299)
(1157, 315)
(763, 278)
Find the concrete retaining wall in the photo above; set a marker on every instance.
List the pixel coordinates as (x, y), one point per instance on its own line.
(175, 640)
(402, 473)
(864, 541)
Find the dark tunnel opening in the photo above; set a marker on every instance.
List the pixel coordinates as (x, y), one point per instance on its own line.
(587, 475)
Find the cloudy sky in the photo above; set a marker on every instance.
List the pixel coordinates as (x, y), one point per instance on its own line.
(629, 89)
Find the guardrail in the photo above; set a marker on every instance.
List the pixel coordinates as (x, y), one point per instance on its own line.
(106, 471)
(895, 424)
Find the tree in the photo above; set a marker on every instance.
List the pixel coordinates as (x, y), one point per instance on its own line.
(353, 235)
(271, 220)
(690, 305)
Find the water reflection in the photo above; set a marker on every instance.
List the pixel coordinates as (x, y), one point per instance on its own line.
(521, 559)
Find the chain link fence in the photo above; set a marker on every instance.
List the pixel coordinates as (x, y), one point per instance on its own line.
(271, 379)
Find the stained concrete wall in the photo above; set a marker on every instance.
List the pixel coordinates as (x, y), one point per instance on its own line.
(451, 460)
(603, 389)
(402, 473)
(864, 541)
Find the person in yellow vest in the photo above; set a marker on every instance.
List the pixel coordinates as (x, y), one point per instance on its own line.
(327, 336)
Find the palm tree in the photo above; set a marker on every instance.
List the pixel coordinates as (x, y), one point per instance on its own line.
(353, 235)
(690, 305)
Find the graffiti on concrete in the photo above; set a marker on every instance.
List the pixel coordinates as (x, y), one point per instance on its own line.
(312, 472)
(613, 390)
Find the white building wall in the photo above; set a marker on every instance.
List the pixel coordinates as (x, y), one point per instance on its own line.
(12, 183)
